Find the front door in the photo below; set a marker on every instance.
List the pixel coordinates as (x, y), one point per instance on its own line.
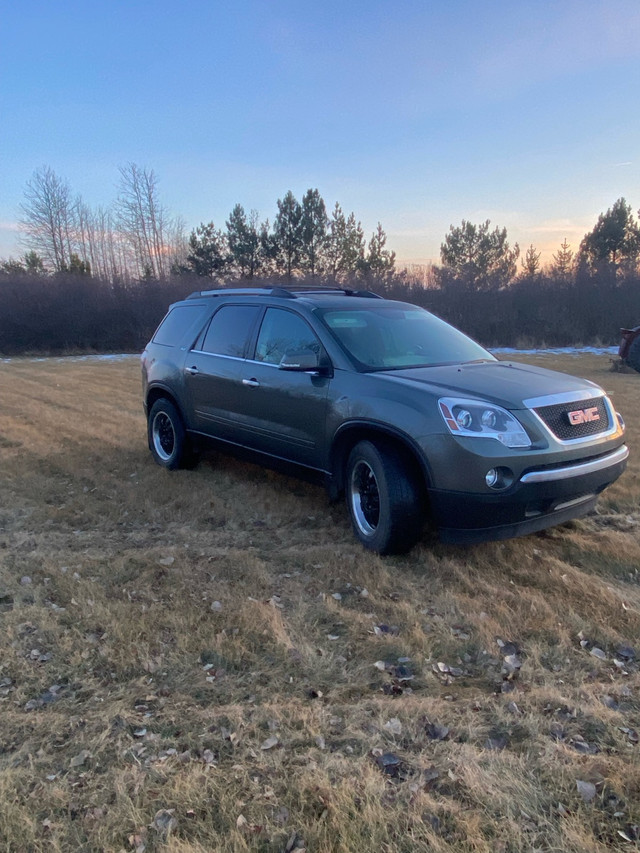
(283, 412)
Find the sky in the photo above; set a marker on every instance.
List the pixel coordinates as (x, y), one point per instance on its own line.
(415, 113)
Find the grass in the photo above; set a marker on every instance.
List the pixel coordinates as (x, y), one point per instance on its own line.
(207, 661)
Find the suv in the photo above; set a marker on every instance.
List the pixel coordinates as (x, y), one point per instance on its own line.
(384, 403)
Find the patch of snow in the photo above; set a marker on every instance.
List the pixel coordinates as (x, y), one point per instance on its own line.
(495, 350)
(65, 358)
(555, 351)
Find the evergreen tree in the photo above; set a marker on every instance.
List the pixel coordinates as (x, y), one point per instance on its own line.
(613, 247)
(345, 247)
(33, 263)
(12, 268)
(563, 262)
(354, 246)
(334, 250)
(269, 248)
(208, 254)
(244, 241)
(476, 258)
(531, 263)
(313, 233)
(77, 266)
(287, 232)
(379, 262)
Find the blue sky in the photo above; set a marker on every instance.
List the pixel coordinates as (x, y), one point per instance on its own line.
(415, 113)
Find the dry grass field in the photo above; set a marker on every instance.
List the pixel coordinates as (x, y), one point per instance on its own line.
(207, 660)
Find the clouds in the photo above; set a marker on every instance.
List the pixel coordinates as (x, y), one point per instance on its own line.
(415, 114)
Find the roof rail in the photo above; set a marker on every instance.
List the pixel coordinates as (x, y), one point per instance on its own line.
(223, 291)
(346, 291)
(283, 292)
(242, 291)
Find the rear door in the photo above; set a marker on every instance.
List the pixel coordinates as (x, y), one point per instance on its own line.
(213, 370)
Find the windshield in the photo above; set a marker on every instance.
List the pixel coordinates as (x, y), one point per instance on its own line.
(399, 336)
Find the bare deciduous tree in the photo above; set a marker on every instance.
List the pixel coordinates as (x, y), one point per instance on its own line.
(142, 219)
(49, 218)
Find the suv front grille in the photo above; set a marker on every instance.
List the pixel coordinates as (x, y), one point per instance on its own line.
(557, 418)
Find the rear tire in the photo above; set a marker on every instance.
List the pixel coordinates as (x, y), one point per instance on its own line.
(384, 499)
(168, 440)
(633, 357)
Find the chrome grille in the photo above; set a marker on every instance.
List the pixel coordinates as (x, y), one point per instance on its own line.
(556, 417)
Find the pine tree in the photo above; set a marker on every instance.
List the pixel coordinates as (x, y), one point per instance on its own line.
(244, 241)
(335, 242)
(208, 253)
(563, 262)
(287, 233)
(354, 246)
(531, 263)
(379, 261)
(613, 247)
(476, 258)
(313, 233)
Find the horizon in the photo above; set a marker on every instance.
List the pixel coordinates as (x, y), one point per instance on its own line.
(414, 117)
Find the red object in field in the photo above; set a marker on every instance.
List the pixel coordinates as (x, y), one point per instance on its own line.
(629, 350)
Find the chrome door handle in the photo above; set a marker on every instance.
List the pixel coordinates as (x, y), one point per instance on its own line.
(252, 383)
(192, 370)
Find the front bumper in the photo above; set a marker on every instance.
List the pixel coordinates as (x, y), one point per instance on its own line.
(541, 498)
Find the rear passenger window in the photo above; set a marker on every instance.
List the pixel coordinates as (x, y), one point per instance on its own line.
(229, 330)
(175, 325)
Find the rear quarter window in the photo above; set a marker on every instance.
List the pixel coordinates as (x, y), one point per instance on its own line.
(176, 324)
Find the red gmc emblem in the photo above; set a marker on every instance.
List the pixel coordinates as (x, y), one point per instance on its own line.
(583, 416)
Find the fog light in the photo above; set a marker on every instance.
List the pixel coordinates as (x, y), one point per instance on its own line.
(499, 478)
(491, 478)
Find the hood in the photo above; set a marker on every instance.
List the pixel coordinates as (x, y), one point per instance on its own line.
(503, 383)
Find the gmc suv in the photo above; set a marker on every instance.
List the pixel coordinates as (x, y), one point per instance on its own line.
(387, 405)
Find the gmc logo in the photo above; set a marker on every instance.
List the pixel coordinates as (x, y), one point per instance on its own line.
(583, 416)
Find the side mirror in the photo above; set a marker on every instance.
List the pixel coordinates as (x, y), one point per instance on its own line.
(300, 360)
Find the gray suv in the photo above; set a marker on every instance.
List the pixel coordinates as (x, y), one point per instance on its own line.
(384, 403)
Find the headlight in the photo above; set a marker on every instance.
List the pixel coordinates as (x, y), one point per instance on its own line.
(482, 420)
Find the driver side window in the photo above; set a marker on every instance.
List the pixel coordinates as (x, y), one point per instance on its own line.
(281, 331)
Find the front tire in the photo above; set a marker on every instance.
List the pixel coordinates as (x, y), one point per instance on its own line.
(168, 441)
(384, 499)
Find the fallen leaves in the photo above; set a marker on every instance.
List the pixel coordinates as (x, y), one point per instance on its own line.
(587, 790)
(50, 695)
(389, 630)
(164, 823)
(394, 726)
(630, 833)
(400, 675)
(435, 731)
(390, 763)
(80, 759)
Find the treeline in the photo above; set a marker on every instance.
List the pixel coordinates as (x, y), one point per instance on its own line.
(137, 238)
(102, 280)
(68, 313)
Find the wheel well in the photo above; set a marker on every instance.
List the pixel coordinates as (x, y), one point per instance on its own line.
(347, 440)
(158, 394)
